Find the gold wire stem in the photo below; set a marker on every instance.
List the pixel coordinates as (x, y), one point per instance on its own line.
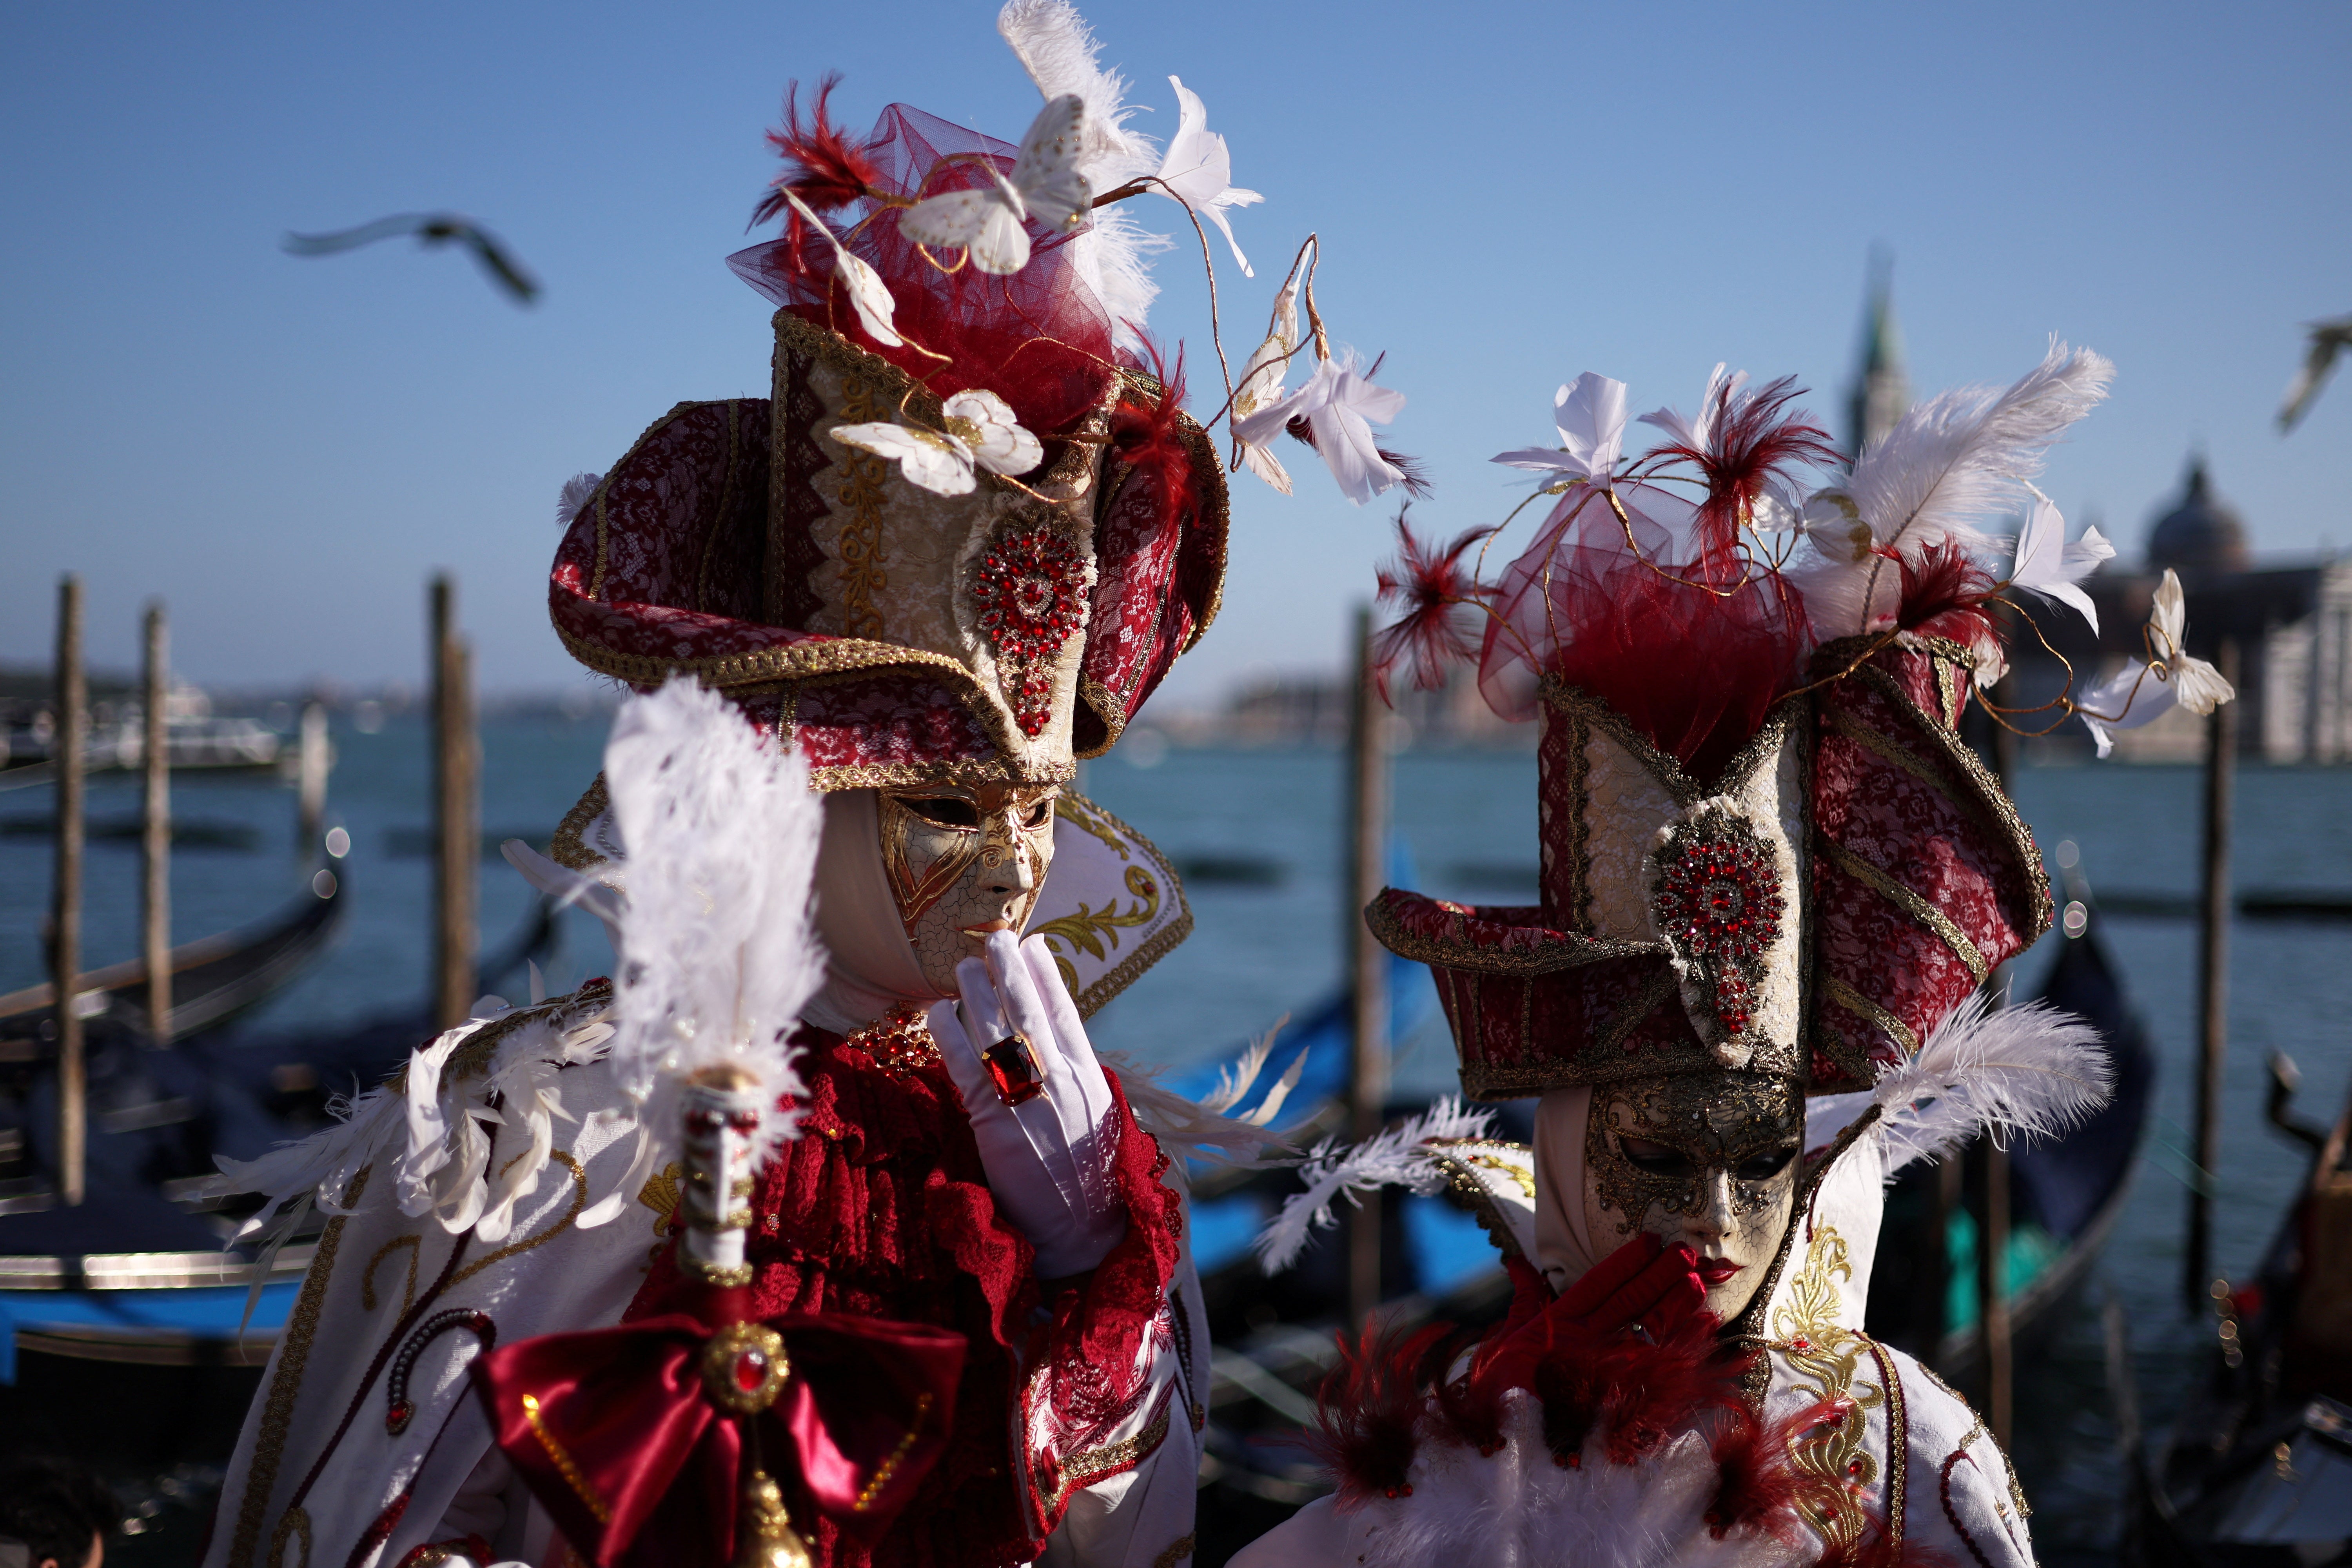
(1216, 332)
(1306, 292)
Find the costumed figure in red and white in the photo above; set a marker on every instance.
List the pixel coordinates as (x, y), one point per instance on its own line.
(955, 551)
(1775, 887)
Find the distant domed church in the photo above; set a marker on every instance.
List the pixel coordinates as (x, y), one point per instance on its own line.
(2201, 535)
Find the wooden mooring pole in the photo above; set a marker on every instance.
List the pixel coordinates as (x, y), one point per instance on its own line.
(311, 761)
(1367, 873)
(456, 834)
(155, 831)
(68, 744)
(2212, 983)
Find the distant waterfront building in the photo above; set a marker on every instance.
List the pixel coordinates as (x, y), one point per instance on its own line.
(2291, 623)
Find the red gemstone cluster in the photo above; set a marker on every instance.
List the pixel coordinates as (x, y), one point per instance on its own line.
(1718, 898)
(1028, 585)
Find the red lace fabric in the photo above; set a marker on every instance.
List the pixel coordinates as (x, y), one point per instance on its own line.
(881, 1206)
(1039, 339)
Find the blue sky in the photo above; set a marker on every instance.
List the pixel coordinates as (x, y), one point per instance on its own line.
(1508, 195)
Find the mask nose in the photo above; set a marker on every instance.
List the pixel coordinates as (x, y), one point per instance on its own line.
(1011, 873)
(1713, 1221)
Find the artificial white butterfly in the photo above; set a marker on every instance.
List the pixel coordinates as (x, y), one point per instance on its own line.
(981, 430)
(1046, 184)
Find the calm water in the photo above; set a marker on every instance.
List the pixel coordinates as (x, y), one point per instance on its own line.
(1264, 948)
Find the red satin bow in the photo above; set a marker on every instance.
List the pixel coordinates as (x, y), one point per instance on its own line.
(612, 1428)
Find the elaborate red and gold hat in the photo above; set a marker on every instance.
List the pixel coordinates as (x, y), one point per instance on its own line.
(948, 615)
(1765, 847)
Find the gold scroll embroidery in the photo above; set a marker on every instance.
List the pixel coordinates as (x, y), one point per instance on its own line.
(1088, 929)
(1833, 1468)
(579, 1202)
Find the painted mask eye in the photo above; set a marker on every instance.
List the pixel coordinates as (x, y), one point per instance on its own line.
(1657, 1159)
(946, 810)
(1038, 814)
(1764, 1167)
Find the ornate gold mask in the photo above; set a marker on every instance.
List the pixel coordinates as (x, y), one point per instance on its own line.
(962, 862)
(1709, 1160)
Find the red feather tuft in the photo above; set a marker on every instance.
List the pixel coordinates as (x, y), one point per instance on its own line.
(1435, 590)
(1368, 1408)
(1944, 596)
(1467, 1411)
(1667, 1386)
(1753, 437)
(1757, 1486)
(1147, 437)
(825, 165)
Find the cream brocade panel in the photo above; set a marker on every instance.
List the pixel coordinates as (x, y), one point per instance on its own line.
(898, 558)
(1627, 803)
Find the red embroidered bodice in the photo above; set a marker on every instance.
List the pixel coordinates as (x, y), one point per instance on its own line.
(881, 1206)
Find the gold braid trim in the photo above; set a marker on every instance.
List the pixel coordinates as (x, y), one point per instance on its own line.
(562, 1461)
(568, 849)
(1106, 825)
(579, 1202)
(285, 1383)
(1467, 1190)
(1861, 1007)
(1831, 1458)
(1176, 1551)
(1907, 899)
(1898, 1436)
(1089, 1464)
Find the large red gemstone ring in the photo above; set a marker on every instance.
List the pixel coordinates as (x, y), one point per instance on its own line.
(1012, 1068)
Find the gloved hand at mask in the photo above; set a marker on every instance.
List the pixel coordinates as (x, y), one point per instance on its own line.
(1042, 1116)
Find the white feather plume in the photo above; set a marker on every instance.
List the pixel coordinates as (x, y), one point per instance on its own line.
(720, 950)
(1962, 459)
(578, 490)
(1393, 1158)
(1518, 1506)
(1200, 1128)
(1061, 54)
(2029, 1071)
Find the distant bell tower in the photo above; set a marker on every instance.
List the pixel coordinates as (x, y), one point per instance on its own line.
(1881, 393)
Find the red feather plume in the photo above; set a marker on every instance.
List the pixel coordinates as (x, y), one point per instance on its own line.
(1757, 1486)
(1751, 439)
(1147, 437)
(825, 165)
(1435, 590)
(1368, 1408)
(1944, 594)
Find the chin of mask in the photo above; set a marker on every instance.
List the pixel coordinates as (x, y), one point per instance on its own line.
(964, 862)
(1708, 1160)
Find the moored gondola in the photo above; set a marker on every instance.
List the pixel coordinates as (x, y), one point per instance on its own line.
(215, 980)
(2258, 1472)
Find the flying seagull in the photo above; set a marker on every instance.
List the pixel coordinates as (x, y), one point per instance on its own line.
(2327, 339)
(431, 229)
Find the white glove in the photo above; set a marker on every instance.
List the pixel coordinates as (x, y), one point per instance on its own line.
(1048, 1158)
